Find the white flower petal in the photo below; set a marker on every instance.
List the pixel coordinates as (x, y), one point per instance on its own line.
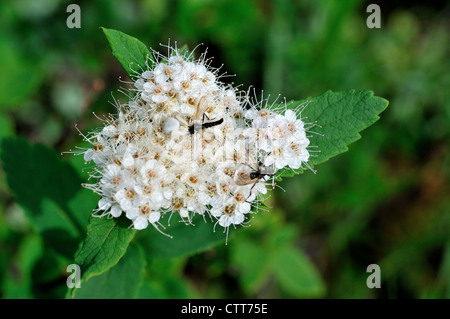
(115, 211)
(140, 223)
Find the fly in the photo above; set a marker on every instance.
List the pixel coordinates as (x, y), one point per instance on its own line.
(197, 127)
(200, 114)
(257, 173)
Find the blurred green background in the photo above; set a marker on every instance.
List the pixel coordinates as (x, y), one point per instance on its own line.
(385, 201)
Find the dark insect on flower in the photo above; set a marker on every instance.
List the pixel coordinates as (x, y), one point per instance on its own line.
(258, 172)
(197, 127)
(202, 106)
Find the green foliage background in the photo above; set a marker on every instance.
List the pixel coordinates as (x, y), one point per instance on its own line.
(381, 202)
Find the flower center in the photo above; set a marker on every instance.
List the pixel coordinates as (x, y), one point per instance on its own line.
(116, 179)
(151, 173)
(145, 210)
(225, 188)
(130, 194)
(97, 147)
(193, 179)
(147, 189)
(240, 197)
(212, 189)
(229, 210)
(177, 203)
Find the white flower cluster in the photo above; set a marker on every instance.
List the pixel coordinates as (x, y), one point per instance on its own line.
(187, 143)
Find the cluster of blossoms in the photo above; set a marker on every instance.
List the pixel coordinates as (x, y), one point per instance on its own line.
(187, 143)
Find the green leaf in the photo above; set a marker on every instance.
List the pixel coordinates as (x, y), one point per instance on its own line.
(18, 283)
(121, 281)
(164, 279)
(85, 200)
(45, 186)
(252, 260)
(166, 288)
(184, 51)
(339, 116)
(187, 239)
(296, 274)
(106, 242)
(17, 68)
(49, 273)
(56, 229)
(6, 128)
(129, 51)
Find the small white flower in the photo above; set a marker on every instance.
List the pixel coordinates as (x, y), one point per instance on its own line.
(128, 199)
(115, 211)
(151, 161)
(170, 125)
(104, 204)
(140, 222)
(227, 214)
(277, 157)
